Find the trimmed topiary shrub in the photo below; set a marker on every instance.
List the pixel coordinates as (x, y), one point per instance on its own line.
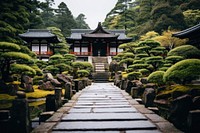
(156, 77)
(83, 73)
(183, 72)
(173, 59)
(139, 66)
(134, 75)
(186, 51)
(144, 72)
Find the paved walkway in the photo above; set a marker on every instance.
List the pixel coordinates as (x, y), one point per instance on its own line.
(104, 108)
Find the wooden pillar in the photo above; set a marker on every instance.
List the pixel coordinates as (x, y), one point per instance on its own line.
(117, 48)
(91, 50)
(108, 50)
(80, 49)
(39, 47)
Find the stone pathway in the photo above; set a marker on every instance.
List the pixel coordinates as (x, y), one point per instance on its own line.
(103, 108)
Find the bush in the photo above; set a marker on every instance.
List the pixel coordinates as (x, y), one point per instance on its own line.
(156, 77)
(186, 51)
(22, 69)
(139, 66)
(144, 72)
(183, 72)
(83, 65)
(83, 73)
(174, 59)
(36, 79)
(134, 75)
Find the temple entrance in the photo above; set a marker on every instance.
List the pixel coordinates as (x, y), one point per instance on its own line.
(99, 49)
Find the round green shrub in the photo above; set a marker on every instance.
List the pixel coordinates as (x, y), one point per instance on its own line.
(183, 72)
(22, 69)
(139, 66)
(128, 55)
(134, 75)
(138, 62)
(83, 73)
(186, 51)
(144, 72)
(156, 77)
(163, 69)
(173, 59)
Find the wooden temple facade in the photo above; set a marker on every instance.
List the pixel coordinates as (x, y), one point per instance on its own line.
(192, 33)
(39, 41)
(98, 42)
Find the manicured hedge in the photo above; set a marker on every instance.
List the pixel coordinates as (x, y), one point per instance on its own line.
(183, 72)
(186, 51)
(156, 77)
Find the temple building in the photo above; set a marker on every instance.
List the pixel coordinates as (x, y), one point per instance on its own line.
(192, 33)
(98, 42)
(41, 42)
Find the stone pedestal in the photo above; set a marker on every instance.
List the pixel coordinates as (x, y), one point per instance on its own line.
(50, 103)
(68, 91)
(20, 117)
(58, 97)
(76, 85)
(194, 121)
(148, 97)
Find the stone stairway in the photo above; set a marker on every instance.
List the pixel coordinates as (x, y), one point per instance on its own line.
(100, 64)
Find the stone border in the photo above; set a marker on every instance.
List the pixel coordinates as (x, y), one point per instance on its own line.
(163, 125)
(49, 124)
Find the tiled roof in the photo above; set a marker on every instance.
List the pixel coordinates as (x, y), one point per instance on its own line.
(37, 33)
(188, 32)
(77, 33)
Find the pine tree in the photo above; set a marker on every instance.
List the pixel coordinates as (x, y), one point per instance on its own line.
(64, 19)
(81, 24)
(14, 19)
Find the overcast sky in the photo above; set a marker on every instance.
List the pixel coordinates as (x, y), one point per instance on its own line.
(94, 10)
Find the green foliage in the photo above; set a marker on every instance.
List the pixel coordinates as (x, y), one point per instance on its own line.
(37, 70)
(183, 72)
(22, 69)
(144, 72)
(83, 66)
(128, 55)
(186, 51)
(83, 73)
(62, 47)
(155, 61)
(26, 50)
(127, 61)
(174, 59)
(8, 47)
(138, 62)
(80, 21)
(156, 77)
(41, 64)
(52, 69)
(134, 75)
(64, 19)
(192, 17)
(16, 56)
(70, 57)
(36, 79)
(139, 66)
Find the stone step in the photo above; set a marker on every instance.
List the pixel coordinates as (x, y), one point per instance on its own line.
(103, 117)
(104, 125)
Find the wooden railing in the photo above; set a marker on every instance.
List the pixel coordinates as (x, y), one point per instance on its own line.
(81, 53)
(113, 53)
(89, 53)
(44, 52)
